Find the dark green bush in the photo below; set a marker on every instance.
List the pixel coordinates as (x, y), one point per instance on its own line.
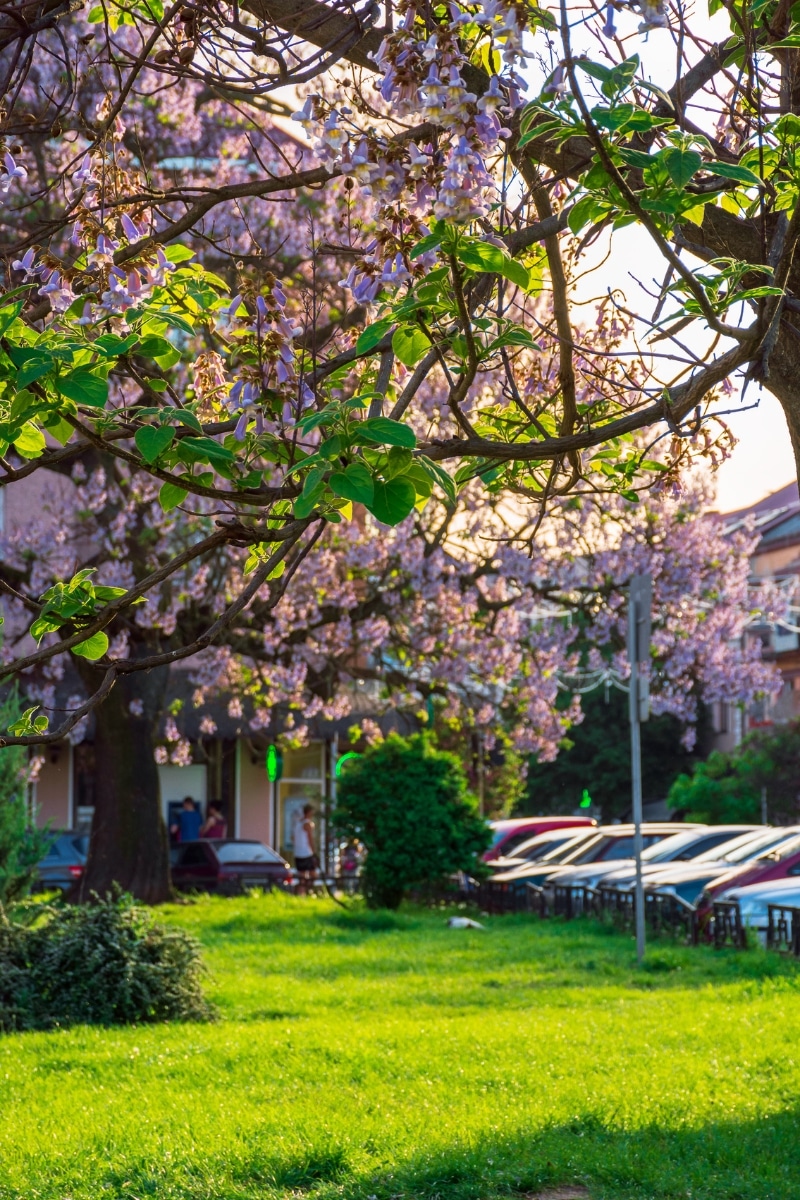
(407, 802)
(106, 963)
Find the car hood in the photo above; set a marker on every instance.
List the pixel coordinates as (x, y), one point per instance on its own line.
(531, 873)
(688, 872)
(588, 874)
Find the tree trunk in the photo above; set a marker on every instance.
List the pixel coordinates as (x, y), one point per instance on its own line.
(128, 844)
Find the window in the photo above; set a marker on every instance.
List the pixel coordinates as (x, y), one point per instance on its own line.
(246, 852)
(192, 856)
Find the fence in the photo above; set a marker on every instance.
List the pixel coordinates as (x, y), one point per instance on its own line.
(664, 913)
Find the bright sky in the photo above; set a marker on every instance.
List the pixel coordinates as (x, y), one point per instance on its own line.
(762, 461)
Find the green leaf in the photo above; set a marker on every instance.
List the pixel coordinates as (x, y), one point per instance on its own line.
(84, 387)
(176, 253)
(431, 242)
(159, 349)
(393, 501)
(731, 171)
(438, 473)
(93, 648)
(305, 504)
(171, 495)
(681, 165)
(399, 462)
(483, 256)
(585, 212)
(152, 441)
(410, 344)
(386, 432)
(596, 70)
(112, 346)
(354, 483)
(9, 314)
(206, 447)
(30, 443)
(33, 369)
(373, 334)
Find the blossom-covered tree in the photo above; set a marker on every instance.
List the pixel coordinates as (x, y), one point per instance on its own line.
(257, 326)
(445, 607)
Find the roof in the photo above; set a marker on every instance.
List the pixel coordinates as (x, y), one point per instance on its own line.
(776, 517)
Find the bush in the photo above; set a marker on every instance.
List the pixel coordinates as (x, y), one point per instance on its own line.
(407, 802)
(727, 786)
(21, 845)
(107, 963)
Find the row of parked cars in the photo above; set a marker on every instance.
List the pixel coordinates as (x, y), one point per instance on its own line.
(224, 865)
(695, 865)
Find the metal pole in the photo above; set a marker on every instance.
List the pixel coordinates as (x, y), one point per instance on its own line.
(763, 806)
(636, 774)
(481, 780)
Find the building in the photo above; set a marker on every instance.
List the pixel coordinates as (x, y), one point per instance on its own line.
(776, 520)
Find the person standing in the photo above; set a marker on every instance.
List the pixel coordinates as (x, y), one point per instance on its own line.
(305, 854)
(187, 827)
(216, 826)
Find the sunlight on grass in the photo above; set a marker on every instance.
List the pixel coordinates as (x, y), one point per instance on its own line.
(376, 1055)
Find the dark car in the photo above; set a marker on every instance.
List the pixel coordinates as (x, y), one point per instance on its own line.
(227, 866)
(64, 862)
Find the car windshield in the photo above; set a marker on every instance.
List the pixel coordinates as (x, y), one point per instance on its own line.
(748, 846)
(783, 850)
(540, 845)
(574, 846)
(671, 847)
(601, 849)
(246, 852)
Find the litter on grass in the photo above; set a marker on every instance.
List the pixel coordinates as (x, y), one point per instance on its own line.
(464, 923)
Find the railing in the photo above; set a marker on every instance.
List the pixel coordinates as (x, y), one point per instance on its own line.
(783, 929)
(728, 927)
(664, 913)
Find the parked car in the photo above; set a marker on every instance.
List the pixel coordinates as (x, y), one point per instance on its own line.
(227, 866)
(684, 847)
(535, 848)
(507, 835)
(64, 862)
(609, 843)
(754, 900)
(688, 881)
(780, 863)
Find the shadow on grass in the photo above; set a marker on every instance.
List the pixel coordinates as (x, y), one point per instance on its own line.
(716, 1160)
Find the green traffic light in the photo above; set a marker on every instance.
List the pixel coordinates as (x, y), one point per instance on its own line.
(586, 799)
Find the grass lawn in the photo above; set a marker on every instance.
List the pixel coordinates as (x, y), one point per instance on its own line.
(379, 1057)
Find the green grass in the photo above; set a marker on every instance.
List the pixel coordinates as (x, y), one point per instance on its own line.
(377, 1057)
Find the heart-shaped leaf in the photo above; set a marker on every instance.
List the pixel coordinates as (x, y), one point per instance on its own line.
(393, 501)
(84, 387)
(93, 648)
(387, 432)
(153, 441)
(355, 483)
(171, 496)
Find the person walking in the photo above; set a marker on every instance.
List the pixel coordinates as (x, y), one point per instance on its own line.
(305, 854)
(187, 826)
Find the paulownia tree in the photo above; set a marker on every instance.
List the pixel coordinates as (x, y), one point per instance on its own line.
(157, 319)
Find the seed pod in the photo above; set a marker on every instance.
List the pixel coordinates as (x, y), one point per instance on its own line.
(186, 53)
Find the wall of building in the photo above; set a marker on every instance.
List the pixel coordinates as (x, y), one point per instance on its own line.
(254, 797)
(52, 792)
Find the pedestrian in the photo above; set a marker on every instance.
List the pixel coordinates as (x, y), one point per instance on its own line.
(305, 854)
(351, 861)
(215, 824)
(190, 819)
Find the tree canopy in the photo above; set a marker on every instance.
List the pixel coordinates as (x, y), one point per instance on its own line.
(380, 301)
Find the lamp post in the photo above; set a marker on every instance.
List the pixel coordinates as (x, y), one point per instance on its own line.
(639, 605)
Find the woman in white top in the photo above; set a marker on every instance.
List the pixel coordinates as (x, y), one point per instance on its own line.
(305, 855)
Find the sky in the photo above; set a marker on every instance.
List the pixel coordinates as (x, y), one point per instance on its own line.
(762, 461)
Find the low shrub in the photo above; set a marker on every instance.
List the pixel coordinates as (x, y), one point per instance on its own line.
(106, 963)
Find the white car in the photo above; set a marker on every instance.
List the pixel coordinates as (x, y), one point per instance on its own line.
(754, 900)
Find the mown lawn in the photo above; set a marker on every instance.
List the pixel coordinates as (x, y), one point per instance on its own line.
(379, 1057)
